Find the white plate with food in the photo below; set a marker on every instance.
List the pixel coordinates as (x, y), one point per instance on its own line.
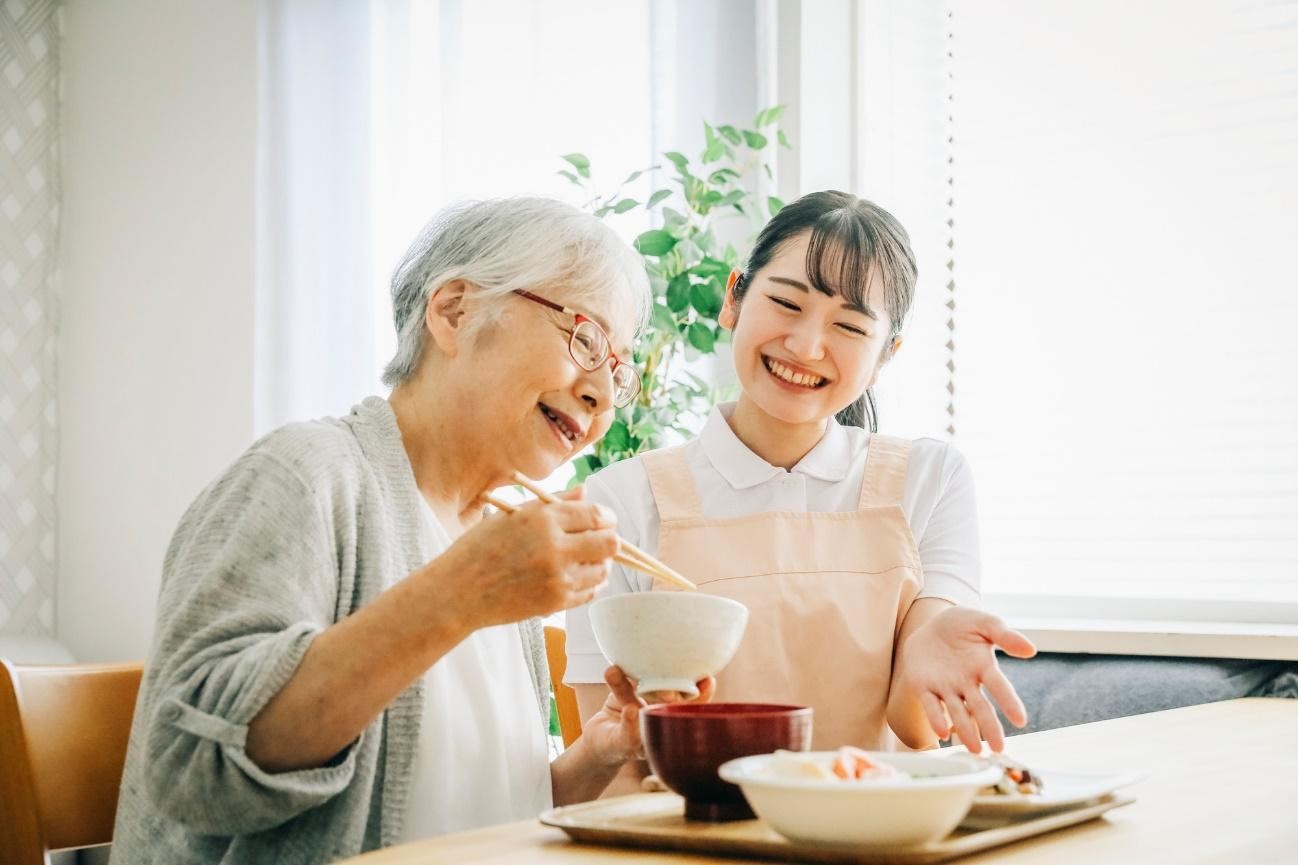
(1022, 791)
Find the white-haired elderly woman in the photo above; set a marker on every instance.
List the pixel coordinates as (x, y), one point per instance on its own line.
(348, 653)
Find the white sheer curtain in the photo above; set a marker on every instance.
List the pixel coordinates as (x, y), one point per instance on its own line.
(314, 327)
(1116, 201)
(1126, 374)
(378, 113)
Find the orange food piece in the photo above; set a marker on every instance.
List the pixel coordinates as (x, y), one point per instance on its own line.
(852, 764)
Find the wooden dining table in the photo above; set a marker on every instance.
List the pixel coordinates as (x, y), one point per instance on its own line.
(1222, 790)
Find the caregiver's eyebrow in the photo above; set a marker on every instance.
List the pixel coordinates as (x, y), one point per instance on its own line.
(847, 304)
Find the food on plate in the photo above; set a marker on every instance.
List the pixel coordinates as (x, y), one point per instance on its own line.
(849, 764)
(1016, 780)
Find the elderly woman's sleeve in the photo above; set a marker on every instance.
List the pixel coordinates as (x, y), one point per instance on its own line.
(256, 569)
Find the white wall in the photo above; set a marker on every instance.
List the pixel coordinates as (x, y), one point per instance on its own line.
(156, 350)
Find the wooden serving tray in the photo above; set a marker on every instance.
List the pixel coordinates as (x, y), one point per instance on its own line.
(657, 821)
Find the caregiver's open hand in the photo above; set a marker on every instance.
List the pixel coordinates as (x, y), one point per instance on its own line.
(951, 666)
(614, 731)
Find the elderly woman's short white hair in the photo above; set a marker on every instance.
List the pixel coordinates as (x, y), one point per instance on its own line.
(505, 244)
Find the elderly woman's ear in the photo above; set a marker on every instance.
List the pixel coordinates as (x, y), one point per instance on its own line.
(445, 316)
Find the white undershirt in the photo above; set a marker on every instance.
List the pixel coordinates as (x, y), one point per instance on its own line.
(483, 757)
(732, 481)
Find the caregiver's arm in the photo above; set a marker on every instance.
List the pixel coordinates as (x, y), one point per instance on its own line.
(508, 568)
(944, 671)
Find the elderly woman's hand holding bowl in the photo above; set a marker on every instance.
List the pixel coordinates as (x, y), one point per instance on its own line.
(348, 651)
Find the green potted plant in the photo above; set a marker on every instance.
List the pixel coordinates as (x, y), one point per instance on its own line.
(687, 264)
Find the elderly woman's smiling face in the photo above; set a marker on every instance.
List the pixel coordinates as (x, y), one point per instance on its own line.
(522, 388)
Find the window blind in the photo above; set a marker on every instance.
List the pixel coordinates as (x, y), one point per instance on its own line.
(1125, 263)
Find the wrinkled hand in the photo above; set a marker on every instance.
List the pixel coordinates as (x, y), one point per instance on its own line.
(538, 560)
(613, 733)
(950, 664)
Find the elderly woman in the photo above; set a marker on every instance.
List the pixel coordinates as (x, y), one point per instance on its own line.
(348, 652)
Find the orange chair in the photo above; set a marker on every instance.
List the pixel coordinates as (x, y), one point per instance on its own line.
(63, 734)
(556, 653)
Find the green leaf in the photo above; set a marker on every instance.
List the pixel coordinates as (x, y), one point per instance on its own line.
(714, 151)
(658, 196)
(768, 116)
(679, 160)
(618, 437)
(678, 294)
(633, 175)
(755, 140)
(731, 198)
(710, 267)
(663, 319)
(731, 133)
(579, 162)
(673, 218)
(625, 204)
(706, 298)
(783, 139)
(655, 242)
(774, 205)
(705, 240)
(601, 212)
(585, 466)
(572, 177)
(700, 336)
(721, 175)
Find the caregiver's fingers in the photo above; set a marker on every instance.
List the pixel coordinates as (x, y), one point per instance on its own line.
(989, 726)
(937, 718)
(1006, 697)
(621, 687)
(1010, 641)
(707, 688)
(964, 725)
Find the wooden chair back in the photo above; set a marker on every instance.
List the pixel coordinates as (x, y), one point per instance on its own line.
(556, 653)
(63, 735)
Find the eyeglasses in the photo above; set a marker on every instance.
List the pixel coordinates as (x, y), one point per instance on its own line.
(589, 346)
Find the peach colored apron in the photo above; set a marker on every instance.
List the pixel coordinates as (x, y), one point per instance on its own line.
(826, 592)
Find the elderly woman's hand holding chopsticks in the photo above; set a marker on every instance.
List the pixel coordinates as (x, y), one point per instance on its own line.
(539, 559)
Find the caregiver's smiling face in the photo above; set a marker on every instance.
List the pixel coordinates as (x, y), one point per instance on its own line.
(803, 353)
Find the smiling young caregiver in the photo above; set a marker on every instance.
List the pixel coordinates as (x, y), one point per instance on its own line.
(855, 553)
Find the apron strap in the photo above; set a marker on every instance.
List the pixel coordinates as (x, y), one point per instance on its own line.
(885, 471)
(672, 484)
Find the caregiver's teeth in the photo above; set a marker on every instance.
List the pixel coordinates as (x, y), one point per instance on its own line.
(783, 372)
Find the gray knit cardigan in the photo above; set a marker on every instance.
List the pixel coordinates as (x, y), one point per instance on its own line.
(306, 527)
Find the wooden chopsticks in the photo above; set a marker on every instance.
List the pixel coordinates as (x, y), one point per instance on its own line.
(628, 554)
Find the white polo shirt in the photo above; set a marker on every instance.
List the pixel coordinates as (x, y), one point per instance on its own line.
(732, 481)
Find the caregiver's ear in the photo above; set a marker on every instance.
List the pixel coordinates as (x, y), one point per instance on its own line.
(729, 314)
(444, 317)
(889, 352)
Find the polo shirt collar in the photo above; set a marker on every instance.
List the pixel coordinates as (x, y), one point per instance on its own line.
(828, 461)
